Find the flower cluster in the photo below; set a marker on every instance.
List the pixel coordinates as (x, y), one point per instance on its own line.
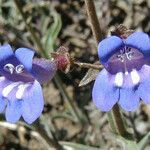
(126, 77)
(20, 89)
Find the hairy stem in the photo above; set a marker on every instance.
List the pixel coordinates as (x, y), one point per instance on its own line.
(118, 121)
(97, 32)
(88, 65)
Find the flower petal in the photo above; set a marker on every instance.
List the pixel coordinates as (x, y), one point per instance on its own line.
(108, 46)
(129, 99)
(141, 41)
(144, 90)
(5, 51)
(104, 93)
(3, 101)
(25, 56)
(33, 103)
(13, 111)
(43, 70)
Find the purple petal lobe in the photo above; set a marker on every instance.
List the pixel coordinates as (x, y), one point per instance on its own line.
(141, 41)
(144, 88)
(144, 92)
(3, 101)
(108, 46)
(13, 111)
(25, 56)
(144, 73)
(33, 103)
(2, 104)
(104, 94)
(5, 52)
(43, 70)
(129, 99)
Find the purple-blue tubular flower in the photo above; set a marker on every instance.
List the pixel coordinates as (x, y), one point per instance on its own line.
(126, 77)
(20, 89)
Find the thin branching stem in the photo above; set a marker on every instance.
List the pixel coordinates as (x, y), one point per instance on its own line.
(88, 65)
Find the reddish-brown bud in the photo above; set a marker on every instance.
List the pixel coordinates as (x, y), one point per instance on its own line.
(122, 31)
(62, 58)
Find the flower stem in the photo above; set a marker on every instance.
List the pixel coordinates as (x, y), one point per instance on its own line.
(88, 65)
(118, 121)
(95, 25)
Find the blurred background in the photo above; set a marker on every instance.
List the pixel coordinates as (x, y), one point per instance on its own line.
(69, 114)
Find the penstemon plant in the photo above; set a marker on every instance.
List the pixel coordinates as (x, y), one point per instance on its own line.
(122, 77)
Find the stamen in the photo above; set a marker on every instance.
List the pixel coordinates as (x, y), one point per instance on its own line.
(9, 88)
(129, 55)
(119, 79)
(135, 77)
(128, 49)
(125, 53)
(120, 57)
(9, 68)
(19, 68)
(21, 90)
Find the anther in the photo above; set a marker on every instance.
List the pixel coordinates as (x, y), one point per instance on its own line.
(9, 68)
(129, 55)
(120, 57)
(19, 68)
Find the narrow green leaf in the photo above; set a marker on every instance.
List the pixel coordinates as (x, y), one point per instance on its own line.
(145, 140)
(75, 146)
(52, 33)
(129, 144)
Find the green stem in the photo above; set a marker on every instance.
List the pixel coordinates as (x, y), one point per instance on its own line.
(118, 121)
(111, 121)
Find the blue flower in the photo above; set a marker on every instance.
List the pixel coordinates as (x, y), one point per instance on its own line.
(126, 77)
(20, 89)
